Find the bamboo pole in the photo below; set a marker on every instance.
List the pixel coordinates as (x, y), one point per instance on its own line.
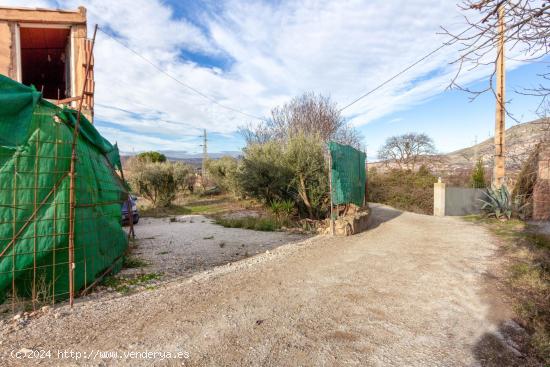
(330, 188)
(54, 244)
(14, 235)
(72, 196)
(36, 167)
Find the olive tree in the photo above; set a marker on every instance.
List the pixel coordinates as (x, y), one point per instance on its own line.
(305, 157)
(152, 156)
(264, 174)
(223, 172)
(158, 182)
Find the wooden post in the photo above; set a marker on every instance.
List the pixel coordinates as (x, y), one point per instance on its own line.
(499, 169)
(330, 188)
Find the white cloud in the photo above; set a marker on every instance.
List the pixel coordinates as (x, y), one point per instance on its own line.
(276, 51)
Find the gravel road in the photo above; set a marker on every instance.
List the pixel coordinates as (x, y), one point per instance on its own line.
(411, 291)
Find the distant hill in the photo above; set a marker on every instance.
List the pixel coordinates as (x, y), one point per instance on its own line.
(182, 155)
(194, 159)
(520, 140)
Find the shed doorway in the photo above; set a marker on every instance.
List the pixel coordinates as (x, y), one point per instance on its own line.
(45, 60)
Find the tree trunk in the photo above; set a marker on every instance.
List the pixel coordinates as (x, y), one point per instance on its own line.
(303, 194)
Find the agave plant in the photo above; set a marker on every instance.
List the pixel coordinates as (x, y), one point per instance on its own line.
(282, 209)
(498, 204)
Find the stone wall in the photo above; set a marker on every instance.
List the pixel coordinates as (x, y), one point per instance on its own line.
(541, 192)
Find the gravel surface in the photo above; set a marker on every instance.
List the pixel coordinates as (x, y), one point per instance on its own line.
(189, 243)
(411, 291)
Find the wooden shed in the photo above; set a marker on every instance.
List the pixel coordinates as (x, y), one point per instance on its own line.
(48, 49)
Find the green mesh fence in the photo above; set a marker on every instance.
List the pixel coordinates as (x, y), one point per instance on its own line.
(35, 156)
(348, 174)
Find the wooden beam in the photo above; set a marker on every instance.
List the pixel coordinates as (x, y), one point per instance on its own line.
(44, 16)
(68, 100)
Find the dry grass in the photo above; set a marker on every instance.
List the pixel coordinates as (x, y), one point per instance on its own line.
(527, 278)
(194, 204)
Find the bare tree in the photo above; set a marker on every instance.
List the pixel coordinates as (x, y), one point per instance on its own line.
(527, 30)
(407, 150)
(308, 114)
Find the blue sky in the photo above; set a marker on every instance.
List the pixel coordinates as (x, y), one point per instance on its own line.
(453, 120)
(253, 55)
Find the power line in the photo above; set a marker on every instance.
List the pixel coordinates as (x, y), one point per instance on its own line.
(196, 91)
(401, 72)
(393, 77)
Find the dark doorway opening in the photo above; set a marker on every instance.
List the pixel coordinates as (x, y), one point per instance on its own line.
(45, 62)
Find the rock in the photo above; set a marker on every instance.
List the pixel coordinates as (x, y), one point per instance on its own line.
(46, 309)
(17, 316)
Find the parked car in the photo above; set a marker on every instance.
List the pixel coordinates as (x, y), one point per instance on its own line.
(135, 212)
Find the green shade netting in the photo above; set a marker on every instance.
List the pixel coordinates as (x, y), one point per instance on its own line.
(35, 156)
(348, 174)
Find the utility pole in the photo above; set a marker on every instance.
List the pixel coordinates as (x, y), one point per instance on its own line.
(204, 158)
(499, 169)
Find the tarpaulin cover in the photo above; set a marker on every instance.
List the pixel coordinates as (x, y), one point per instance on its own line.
(35, 156)
(348, 174)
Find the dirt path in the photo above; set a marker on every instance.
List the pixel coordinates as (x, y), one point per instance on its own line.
(409, 292)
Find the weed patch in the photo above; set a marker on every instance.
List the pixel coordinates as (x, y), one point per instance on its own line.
(265, 224)
(527, 278)
(133, 262)
(125, 285)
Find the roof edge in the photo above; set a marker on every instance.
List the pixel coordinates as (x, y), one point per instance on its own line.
(43, 15)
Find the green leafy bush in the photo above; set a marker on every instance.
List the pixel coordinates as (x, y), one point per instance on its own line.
(403, 189)
(159, 182)
(223, 172)
(263, 174)
(304, 155)
(478, 176)
(293, 171)
(266, 224)
(152, 156)
(282, 210)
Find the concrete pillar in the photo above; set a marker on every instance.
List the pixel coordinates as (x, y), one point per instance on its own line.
(439, 198)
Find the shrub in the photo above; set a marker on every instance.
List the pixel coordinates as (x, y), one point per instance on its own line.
(152, 156)
(403, 189)
(304, 155)
(159, 182)
(223, 172)
(263, 174)
(478, 176)
(282, 210)
(293, 171)
(256, 223)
